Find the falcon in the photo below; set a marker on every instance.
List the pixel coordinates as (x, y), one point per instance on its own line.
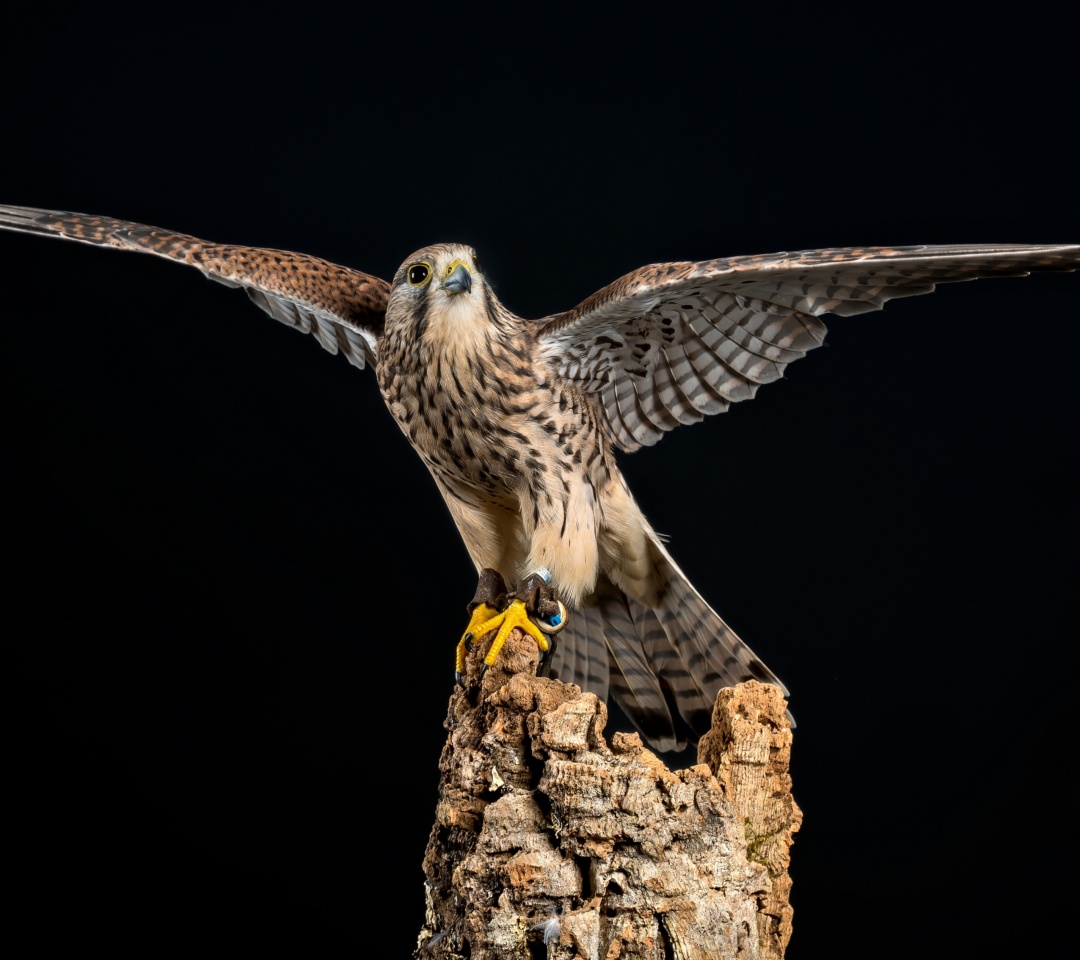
(519, 421)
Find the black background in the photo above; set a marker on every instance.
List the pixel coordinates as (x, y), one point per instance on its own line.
(215, 535)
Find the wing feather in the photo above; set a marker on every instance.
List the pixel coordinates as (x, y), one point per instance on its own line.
(341, 307)
(671, 392)
(668, 343)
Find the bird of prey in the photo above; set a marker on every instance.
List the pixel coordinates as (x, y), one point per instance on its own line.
(519, 420)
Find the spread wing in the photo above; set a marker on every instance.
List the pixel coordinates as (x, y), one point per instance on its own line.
(343, 308)
(671, 342)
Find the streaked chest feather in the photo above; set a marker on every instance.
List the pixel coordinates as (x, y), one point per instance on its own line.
(464, 403)
(487, 417)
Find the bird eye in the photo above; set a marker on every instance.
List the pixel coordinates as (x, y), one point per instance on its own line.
(476, 263)
(419, 273)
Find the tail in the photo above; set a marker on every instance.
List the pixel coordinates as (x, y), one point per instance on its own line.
(663, 664)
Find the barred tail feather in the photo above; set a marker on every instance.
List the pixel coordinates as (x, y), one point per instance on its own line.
(604, 650)
(664, 664)
(710, 652)
(582, 656)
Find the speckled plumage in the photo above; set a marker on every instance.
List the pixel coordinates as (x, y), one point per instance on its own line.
(519, 420)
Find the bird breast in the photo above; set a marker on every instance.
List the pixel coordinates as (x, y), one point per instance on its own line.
(464, 411)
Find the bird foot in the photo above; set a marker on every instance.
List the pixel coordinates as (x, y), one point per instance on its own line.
(489, 599)
(546, 609)
(515, 615)
(533, 607)
(482, 615)
(548, 612)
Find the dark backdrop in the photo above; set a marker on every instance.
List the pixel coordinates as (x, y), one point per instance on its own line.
(210, 524)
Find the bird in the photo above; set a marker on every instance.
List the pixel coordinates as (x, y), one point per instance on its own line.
(520, 421)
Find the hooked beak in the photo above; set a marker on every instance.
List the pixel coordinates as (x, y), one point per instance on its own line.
(459, 281)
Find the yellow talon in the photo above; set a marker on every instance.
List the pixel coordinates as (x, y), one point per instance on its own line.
(514, 615)
(479, 618)
(484, 620)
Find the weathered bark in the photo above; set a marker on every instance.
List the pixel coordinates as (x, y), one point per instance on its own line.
(549, 843)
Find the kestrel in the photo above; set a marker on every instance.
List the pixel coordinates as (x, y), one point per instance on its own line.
(519, 420)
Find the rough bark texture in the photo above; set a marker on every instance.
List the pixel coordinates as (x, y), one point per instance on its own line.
(748, 750)
(549, 843)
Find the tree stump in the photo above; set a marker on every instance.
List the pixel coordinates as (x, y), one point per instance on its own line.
(549, 842)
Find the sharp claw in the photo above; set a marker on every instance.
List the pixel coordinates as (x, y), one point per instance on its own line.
(544, 668)
(520, 612)
(459, 679)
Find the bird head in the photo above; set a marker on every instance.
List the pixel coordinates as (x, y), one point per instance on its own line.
(439, 293)
(439, 272)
